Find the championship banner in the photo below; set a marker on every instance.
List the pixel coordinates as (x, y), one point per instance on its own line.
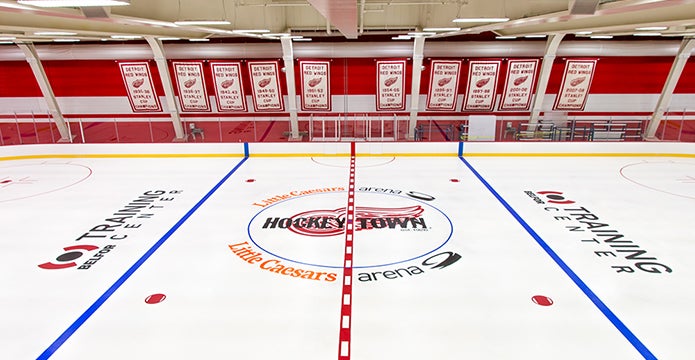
(521, 76)
(575, 85)
(138, 82)
(265, 83)
(316, 81)
(444, 85)
(390, 83)
(191, 84)
(482, 85)
(229, 92)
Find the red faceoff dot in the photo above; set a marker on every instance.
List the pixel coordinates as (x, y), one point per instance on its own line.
(155, 298)
(454, 180)
(250, 180)
(542, 300)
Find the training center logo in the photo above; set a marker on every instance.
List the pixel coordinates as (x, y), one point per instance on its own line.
(555, 197)
(331, 222)
(75, 252)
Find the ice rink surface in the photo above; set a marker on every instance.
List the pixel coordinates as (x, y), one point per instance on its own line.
(280, 258)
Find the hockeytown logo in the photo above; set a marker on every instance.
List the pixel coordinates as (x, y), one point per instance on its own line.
(332, 222)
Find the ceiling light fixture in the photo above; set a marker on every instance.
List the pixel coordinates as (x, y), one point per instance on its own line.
(169, 38)
(252, 31)
(505, 37)
(201, 22)
(647, 34)
(54, 33)
(66, 40)
(7, 38)
(651, 28)
(199, 40)
(302, 39)
(538, 36)
(479, 20)
(583, 33)
(421, 34)
(442, 29)
(73, 3)
(601, 36)
(126, 37)
(401, 37)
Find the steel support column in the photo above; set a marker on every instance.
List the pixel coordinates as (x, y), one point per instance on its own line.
(288, 58)
(418, 50)
(163, 69)
(40, 75)
(548, 58)
(674, 75)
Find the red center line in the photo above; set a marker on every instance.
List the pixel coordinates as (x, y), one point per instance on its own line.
(346, 299)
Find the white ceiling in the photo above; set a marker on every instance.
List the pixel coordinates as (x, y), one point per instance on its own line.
(374, 17)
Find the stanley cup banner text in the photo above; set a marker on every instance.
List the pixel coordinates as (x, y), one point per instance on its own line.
(575, 85)
(316, 90)
(229, 91)
(138, 82)
(192, 93)
(521, 76)
(444, 85)
(390, 85)
(265, 83)
(482, 85)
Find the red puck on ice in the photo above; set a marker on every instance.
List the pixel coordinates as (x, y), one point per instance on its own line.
(5, 181)
(250, 180)
(155, 298)
(454, 180)
(542, 300)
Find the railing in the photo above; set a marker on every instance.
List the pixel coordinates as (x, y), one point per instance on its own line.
(16, 129)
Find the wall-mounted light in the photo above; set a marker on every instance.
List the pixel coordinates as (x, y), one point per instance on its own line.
(74, 3)
(201, 22)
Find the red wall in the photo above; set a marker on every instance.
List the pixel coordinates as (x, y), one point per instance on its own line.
(352, 76)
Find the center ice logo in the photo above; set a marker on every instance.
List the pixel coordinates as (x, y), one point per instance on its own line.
(332, 222)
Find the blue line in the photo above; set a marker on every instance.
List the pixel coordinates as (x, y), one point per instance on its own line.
(460, 148)
(246, 149)
(100, 301)
(639, 346)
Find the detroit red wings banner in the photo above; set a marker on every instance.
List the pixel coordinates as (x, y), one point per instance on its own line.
(265, 83)
(137, 79)
(575, 85)
(390, 84)
(444, 81)
(316, 81)
(521, 77)
(193, 95)
(229, 92)
(482, 85)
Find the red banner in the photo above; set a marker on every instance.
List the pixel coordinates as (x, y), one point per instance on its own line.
(265, 81)
(575, 85)
(444, 85)
(137, 79)
(316, 81)
(390, 84)
(191, 84)
(482, 85)
(229, 92)
(521, 77)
